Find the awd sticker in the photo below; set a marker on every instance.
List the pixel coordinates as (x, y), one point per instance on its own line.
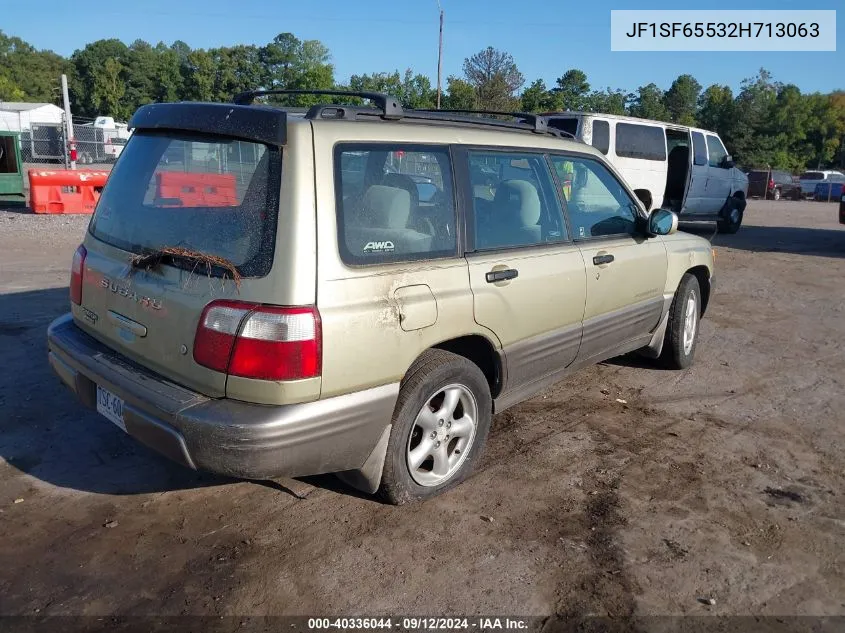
(379, 247)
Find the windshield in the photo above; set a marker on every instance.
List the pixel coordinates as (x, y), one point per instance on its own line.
(213, 195)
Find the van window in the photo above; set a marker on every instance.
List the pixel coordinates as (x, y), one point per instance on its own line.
(699, 149)
(208, 194)
(569, 125)
(716, 151)
(521, 208)
(596, 202)
(394, 203)
(601, 136)
(640, 141)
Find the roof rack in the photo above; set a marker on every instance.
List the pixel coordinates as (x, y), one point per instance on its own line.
(537, 122)
(389, 106)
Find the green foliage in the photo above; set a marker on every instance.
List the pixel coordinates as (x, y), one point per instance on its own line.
(495, 78)
(648, 103)
(460, 95)
(681, 100)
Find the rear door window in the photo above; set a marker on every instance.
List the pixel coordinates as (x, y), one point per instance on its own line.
(394, 203)
(210, 195)
(645, 142)
(520, 207)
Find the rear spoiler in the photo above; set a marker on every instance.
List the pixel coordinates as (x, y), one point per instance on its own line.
(253, 123)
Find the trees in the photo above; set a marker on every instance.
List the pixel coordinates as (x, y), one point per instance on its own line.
(571, 90)
(648, 103)
(764, 123)
(460, 95)
(681, 100)
(494, 76)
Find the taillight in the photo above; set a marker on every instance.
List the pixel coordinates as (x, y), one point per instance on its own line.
(771, 184)
(76, 268)
(257, 341)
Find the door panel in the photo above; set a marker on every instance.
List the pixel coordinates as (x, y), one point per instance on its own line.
(536, 315)
(696, 201)
(625, 296)
(527, 279)
(718, 176)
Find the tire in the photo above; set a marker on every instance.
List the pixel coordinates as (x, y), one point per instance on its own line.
(776, 194)
(417, 436)
(684, 315)
(730, 219)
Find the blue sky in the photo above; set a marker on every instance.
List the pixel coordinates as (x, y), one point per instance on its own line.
(545, 38)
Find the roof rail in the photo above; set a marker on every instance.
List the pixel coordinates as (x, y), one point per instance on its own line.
(537, 122)
(389, 106)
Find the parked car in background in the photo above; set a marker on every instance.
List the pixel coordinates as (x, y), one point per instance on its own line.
(686, 170)
(829, 191)
(809, 180)
(773, 185)
(324, 320)
(842, 208)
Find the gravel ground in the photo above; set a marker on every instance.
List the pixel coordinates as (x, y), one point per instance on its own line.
(721, 482)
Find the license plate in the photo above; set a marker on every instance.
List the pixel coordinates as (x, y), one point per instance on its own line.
(110, 406)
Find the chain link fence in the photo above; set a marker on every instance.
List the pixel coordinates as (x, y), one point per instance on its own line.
(47, 143)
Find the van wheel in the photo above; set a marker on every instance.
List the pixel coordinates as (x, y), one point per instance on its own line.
(440, 425)
(682, 329)
(730, 219)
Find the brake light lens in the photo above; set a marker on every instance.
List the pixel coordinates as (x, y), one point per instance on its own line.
(76, 269)
(261, 342)
(771, 183)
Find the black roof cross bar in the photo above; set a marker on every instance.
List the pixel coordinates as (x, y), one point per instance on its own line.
(536, 121)
(389, 106)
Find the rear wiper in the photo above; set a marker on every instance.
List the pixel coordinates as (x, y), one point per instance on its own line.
(173, 254)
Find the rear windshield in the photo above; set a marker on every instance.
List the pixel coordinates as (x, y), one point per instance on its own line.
(812, 175)
(214, 195)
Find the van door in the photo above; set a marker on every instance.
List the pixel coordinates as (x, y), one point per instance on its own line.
(719, 176)
(640, 154)
(696, 201)
(527, 277)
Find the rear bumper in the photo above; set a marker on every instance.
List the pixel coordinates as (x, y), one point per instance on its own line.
(224, 436)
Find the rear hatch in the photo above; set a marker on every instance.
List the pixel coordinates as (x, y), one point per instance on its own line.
(187, 216)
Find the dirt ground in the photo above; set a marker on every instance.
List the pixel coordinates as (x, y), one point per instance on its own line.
(724, 481)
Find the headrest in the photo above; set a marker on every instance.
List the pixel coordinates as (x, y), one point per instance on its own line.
(386, 207)
(519, 196)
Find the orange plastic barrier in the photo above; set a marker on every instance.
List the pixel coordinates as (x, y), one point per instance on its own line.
(185, 189)
(65, 191)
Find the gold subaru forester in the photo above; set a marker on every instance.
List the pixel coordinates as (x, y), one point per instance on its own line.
(358, 289)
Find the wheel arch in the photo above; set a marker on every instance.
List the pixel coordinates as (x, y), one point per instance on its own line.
(479, 350)
(702, 275)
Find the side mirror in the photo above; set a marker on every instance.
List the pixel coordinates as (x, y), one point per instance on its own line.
(662, 222)
(644, 196)
(728, 162)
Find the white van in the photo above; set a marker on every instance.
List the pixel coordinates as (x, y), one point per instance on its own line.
(687, 170)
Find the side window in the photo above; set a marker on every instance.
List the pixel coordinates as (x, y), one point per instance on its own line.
(597, 204)
(514, 201)
(646, 142)
(699, 149)
(394, 203)
(716, 150)
(601, 136)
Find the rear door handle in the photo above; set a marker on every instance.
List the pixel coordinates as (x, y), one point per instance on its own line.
(501, 275)
(598, 260)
